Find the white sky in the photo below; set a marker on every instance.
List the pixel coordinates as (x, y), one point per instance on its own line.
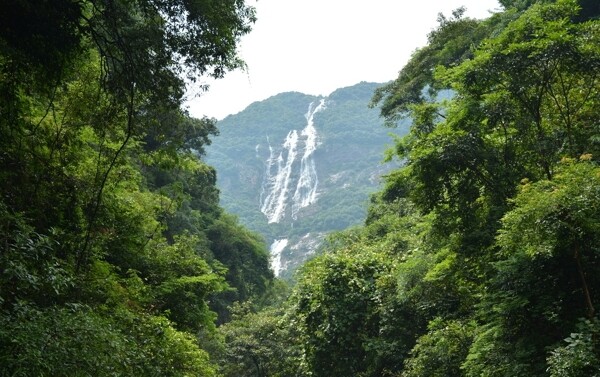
(317, 46)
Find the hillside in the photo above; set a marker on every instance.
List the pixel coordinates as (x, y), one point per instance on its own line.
(295, 167)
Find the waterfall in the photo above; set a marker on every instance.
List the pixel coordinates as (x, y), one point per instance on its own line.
(275, 250)
(277, 179)
(279, 171)
(306, 189)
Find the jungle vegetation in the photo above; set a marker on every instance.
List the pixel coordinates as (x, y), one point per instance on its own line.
(480, 256)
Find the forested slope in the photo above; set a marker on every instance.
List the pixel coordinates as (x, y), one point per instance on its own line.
(115, 257)
(481, 255)
(347, 161)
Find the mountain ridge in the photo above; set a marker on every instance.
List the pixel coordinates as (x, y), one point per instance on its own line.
(261, 153)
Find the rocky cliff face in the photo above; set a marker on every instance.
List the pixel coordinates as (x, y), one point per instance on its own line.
(296, 167)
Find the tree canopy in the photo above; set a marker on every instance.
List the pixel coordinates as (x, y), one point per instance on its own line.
(112, 259)
(478, 256)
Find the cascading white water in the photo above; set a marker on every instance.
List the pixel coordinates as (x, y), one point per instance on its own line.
(277, 184)
(306, 189)
(275, 250)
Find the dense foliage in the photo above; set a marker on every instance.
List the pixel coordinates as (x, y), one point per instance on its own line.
(115, 258)
(480, 256)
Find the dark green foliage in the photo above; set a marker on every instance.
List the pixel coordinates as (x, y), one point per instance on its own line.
(106, 263)
(40, 36)
(246, 258)
(578, 355)
(547, 278)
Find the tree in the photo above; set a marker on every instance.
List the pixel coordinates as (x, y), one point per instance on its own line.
(96, 276)
(349, 306)
(448, 45)
(546, 280)
(246, 260)
(441, 351)
(260, 344)
(524, 101)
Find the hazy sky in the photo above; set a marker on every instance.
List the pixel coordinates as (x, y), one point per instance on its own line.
(317, 46)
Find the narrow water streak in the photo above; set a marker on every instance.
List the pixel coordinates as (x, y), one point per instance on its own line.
(277, 179)
(287, 181)
(306, 188)
(275, 250)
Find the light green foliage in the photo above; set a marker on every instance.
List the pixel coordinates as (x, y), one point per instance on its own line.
(340, 315)
(553, 217)
(578, 357)
(181, 283)
(348, 307)
(75, 340)
(260, 344)
(547, 276)
(440, 352)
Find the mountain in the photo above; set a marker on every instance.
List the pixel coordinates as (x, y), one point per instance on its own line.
(295, 167)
